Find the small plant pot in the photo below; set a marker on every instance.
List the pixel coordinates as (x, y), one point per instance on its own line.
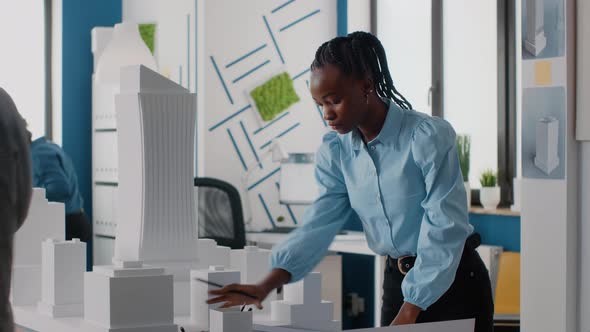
(489, 197)
(468, 193)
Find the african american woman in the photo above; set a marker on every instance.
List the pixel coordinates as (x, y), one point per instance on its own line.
(397, 171)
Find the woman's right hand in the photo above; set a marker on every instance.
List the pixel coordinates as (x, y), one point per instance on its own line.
(237, 295)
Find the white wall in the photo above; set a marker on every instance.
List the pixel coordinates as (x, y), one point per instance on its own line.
(471, 78)
(550, 215)
(359, 15)
(583, 132)
(232, 29)
(22, 60)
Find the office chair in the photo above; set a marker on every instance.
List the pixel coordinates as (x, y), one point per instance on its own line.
(219, 213)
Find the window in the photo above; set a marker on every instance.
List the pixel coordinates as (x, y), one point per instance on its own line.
(22, 60)
(456, 59)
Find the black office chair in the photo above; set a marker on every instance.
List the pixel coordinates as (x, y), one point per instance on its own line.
(219, 212)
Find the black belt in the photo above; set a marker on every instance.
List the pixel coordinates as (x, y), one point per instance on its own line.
(405, 263)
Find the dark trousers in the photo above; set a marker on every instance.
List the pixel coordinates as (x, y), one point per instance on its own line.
(79, 226)
(470, 295)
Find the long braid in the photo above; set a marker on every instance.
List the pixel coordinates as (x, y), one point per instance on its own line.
(361, 54)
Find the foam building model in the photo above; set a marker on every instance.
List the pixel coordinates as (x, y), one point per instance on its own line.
(302, 306)
(546, 144)
(535, 40)
(253, 264)
(129, 297)
(199, 292)
(223, 320)
(156, 127)
(211, 254)
(45, 220)
(64, 264)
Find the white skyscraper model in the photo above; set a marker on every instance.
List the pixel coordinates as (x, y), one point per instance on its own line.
(45, 220)
(535, 40)
(546, 144)
(156, 128)
(64, 264)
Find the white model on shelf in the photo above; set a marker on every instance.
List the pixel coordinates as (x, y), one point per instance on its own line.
(535, 40)
(45, 220)
(303, 308)
(253, 264)
(224, 320)
(129, 296)
(546, 144)
(156, 127)
(64, 264)
(200, 292)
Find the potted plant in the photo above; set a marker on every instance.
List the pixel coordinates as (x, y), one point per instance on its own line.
(489, 194)
(463, 150)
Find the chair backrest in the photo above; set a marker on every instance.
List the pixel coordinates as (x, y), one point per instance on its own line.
(219, 212)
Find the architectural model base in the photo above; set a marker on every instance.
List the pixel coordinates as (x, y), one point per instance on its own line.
(538, 46)
(547, 168)
(62, 310)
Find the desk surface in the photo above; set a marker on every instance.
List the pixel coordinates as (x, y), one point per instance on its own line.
(351, 243)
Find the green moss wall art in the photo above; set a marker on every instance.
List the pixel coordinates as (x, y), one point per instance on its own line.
(148, 34)
(274, 96)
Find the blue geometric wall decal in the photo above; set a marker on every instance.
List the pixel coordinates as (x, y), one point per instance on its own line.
(270, 123)
(272, 222)
(251, 71)
(299, 20)
(222, 81)
(272, 36)
(233, 141)
(288, 207)
(301, 74)
(230, 117)
(281, 6)
(280, 135)
(250, 144)
(264, 178)
(245, 56)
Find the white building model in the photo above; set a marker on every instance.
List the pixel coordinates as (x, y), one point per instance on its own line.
(45, 220)
(535, 40)
(547, 144)
(156, 127)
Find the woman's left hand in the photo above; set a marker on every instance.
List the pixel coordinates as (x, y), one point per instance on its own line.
(407, 314)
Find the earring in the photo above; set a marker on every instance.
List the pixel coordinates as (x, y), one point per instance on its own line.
(367, 98)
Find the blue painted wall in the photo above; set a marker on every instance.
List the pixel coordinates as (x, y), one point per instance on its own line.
(501, 231)
(79, 17)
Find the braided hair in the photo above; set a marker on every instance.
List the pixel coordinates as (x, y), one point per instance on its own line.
(361, 54)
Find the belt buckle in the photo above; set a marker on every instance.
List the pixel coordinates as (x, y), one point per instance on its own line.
(401, 266)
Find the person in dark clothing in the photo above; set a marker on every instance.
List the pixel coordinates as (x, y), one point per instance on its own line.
(53, 170)
(15, 194)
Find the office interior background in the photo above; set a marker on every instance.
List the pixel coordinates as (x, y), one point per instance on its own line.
(473, 63)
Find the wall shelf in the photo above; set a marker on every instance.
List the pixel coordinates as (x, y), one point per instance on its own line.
(497, 212)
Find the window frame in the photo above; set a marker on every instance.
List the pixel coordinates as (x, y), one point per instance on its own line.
(506, 133)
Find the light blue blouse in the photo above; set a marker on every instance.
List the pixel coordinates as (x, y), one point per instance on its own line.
(406, 188)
